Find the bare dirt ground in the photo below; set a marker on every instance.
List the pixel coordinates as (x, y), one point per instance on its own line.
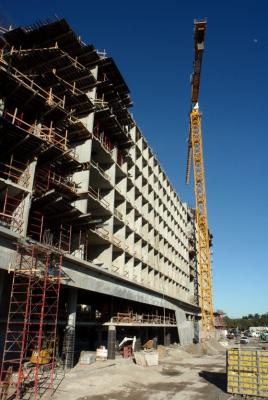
(180, 375)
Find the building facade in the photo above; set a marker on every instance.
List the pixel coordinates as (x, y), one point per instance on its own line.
(79, 179)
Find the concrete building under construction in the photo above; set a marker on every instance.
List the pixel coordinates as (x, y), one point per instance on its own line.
(95, 244)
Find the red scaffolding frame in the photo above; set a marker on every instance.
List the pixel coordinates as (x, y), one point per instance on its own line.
(12, 211)
(35, 225)
(60, 238)
(30, 350)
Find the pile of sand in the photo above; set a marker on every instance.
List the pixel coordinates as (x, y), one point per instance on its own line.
(209, 347)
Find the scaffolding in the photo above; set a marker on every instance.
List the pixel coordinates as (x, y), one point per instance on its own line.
(30, 358)
(35, 227)
(151, 319)
(47, 178)
(15, 171)
(12, 211)
(50, 135)
(59, 237)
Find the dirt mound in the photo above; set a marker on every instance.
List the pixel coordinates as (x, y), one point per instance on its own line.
(195, 349)
(209, 347)
(176, 354)
(214, 346)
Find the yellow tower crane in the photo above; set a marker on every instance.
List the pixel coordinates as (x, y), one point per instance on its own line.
(195, 153)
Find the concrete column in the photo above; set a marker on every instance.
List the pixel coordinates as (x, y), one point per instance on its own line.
(185, 328)
(146, 334)
(99, 337)
(83, 151)
(138, 344)
(167, 339)
(2, 107)
(196, 331)
(111, 342)
(69, 336)
(27, 200)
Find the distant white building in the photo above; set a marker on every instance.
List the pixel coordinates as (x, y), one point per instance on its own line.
(258, 329)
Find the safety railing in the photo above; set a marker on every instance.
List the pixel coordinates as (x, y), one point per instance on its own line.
(102, 172)
(25, 52)
(100, 104)
(104, 233)
(103, 140)
(12, 213)
(16, 171)
(47, 178)
(117, 241)
(118, 214)
(48, 134)
(143, 318)
(50, 98)
(97, 196)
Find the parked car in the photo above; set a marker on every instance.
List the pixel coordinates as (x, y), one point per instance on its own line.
(255, 334)
(244, 340)
(264, 336)
(230, 335)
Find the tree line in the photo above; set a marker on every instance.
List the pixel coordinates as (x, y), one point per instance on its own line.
(246, 321)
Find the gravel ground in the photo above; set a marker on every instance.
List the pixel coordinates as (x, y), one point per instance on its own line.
(180, 375)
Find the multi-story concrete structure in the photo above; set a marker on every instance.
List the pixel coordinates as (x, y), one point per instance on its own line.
(78, 176)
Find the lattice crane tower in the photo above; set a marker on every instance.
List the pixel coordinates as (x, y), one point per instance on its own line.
(195, 154)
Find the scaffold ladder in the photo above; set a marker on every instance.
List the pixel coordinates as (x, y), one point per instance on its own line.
(30, 349)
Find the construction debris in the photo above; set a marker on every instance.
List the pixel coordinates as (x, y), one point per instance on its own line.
(101, 354)
(146, 358)
(87, 358)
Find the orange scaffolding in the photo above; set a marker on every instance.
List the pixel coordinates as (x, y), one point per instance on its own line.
(12, 212)
(15, 171)
(46, 178)
(49, 134)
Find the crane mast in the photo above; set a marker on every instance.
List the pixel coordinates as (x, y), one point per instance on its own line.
(195, 154)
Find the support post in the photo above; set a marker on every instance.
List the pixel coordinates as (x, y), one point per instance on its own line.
(138, 344)
(27, 200)
(167, 339)
(69, 336)
(99, 338)
(111, 342)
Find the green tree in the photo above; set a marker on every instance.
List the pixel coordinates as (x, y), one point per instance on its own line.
(246, 321)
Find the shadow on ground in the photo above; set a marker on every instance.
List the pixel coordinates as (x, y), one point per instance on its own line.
(216, 378)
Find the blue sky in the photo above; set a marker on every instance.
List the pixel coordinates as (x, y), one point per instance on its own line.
(152, 42)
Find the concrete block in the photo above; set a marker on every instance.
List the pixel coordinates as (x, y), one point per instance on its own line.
(87, 358)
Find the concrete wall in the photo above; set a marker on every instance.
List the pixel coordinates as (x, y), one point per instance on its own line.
(186, 329)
